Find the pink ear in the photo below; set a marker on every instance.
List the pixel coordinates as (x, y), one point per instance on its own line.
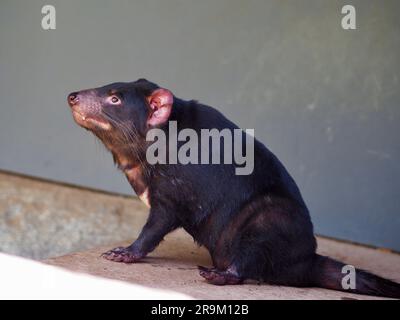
(160, 102)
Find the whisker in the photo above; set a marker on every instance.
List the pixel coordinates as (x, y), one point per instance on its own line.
(130, 139)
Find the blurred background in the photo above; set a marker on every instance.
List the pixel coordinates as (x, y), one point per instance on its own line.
(325, 100)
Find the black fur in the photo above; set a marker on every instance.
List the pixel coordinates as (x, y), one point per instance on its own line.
(255, 226)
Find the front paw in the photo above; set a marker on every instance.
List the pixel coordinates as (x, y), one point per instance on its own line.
(121, 254)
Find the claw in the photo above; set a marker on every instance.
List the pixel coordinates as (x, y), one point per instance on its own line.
(218, 277)
(120, 254)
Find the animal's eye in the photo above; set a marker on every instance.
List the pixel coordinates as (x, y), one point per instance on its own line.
(115, 100)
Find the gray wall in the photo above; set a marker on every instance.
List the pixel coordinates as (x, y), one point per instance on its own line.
(325, 100)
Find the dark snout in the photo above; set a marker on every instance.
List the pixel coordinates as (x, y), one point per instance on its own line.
(73, 98)
(86, 109)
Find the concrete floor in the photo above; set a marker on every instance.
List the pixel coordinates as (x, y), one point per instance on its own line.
(40, 219)
(172, 266)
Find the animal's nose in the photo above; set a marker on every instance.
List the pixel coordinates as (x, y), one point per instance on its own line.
(73, 98)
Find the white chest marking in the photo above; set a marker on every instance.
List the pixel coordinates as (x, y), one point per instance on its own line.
(145, 197)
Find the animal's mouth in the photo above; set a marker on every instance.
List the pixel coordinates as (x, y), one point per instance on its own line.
(90, 121)
(80, 115)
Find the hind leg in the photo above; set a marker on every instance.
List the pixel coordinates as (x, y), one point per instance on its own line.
(270, 240)
(220, 277)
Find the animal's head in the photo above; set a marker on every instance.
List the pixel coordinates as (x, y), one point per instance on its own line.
(121, 111)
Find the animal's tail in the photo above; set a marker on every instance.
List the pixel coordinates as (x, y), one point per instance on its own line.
(327, 273)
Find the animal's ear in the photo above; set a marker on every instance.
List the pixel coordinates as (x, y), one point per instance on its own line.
(160, 102)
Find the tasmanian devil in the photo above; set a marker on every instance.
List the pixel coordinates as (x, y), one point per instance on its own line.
(255, 226)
